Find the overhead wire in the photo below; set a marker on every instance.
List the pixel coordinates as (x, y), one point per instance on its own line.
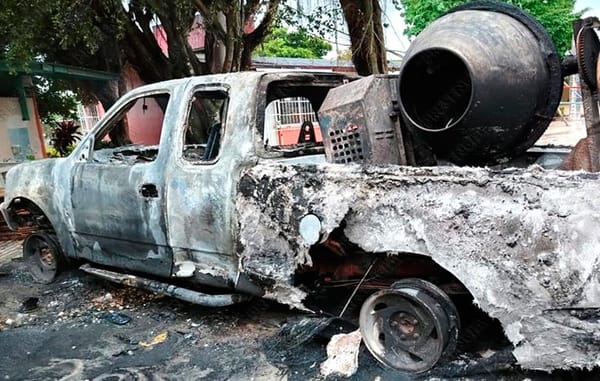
(300, 13)
(391, 25)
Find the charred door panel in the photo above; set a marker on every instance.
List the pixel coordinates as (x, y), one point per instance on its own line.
(118, 221)
(118, 191)
(199, 190)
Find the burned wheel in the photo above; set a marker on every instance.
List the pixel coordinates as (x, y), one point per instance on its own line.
(42, 253)
(410, 326)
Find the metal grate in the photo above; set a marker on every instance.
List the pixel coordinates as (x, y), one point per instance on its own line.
(88, 116)
(346, 145)
(294, 111)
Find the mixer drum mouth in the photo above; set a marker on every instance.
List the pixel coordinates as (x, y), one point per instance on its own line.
(481, 83)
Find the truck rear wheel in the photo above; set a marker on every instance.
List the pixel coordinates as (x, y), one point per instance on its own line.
(410, 326)
(42, 253)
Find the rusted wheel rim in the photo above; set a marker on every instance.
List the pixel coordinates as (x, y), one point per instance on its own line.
(405, 328)
(43, 257)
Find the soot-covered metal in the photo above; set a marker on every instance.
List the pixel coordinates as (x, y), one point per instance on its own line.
(258, 217)
(530, 259)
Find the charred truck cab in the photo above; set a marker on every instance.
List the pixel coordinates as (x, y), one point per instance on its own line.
(208, 190)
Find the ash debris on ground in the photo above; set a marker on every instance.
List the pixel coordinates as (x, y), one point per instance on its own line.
(67, 336)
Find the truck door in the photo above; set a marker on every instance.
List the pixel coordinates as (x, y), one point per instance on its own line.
(199, 189)
(118, 191)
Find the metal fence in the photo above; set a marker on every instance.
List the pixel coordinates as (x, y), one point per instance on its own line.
(88, 116)
(293, 111)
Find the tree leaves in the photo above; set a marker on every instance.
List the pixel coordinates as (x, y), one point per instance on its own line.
(55, 100)
(298, 44)
(556, 16)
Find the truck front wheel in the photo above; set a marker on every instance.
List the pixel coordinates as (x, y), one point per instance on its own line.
(42, 253)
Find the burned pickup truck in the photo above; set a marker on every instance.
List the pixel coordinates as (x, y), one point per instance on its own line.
(416, 192)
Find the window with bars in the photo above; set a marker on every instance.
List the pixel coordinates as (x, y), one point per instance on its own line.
(293, 111)
(284, 118)
(88, 116)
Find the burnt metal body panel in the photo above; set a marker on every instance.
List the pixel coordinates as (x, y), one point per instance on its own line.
(117, 207)
(199, 200)
(114, 223)
(46, 184)
(530, 258)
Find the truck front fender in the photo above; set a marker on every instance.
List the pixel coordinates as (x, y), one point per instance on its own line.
(43, 187)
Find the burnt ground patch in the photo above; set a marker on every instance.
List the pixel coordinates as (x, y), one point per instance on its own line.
(68, 335)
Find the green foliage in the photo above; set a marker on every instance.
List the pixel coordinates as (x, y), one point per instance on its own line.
(46, 30)
(64, 136)
(55, 100)
(555, 15)
(109, 34)
(298, 44)
(345, 55)
(52, 152)
(321, 20)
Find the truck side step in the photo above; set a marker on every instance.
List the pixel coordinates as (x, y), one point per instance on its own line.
(188, 295)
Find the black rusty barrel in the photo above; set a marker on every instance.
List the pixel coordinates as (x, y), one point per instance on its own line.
(481, 83)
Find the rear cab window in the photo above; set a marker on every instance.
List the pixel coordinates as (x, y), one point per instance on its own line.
(205, 126)
(287, 119)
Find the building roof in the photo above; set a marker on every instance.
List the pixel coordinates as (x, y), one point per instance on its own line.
(58, 71)
(300, 62)
(312, 63)
(12, 82)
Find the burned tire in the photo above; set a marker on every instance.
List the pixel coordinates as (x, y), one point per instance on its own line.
(410, 326)
(43, 256)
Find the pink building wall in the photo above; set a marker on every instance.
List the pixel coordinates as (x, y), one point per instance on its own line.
(145, 117)
(195, 37)
(288, 134)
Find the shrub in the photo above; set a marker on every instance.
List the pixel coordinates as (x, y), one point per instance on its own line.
(64, 136)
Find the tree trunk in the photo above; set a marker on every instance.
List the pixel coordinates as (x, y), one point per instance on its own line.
(182, 60)
(366, 35)
(253, 39)
(106, 92)
(214, 46)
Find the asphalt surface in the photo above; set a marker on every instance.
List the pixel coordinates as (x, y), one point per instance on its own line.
(70, 335)
(68, 331)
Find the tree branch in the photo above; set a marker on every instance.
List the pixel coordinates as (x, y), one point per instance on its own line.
(252, 39)
(209, 15)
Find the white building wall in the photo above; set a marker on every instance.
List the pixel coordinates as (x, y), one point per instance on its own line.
(18, 138)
